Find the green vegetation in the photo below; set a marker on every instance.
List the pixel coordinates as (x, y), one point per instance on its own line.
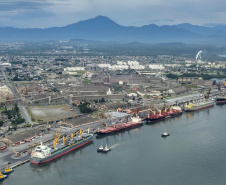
(86, 81)
(27, 125)
(84, 109)
(117, 88)
(190, 86)
(1, 123)
(100, 101)
(26, 78)
(202, 75)
(55, 90)
(14, 115)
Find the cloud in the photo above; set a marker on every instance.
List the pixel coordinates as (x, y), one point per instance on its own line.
(23, 5)
(47, 13)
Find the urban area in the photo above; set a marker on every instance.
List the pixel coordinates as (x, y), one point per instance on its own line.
(57, 94)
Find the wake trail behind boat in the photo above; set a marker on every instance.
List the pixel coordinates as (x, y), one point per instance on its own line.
(113, 146)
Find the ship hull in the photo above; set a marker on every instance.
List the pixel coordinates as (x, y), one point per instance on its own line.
(152, 120)
(198, 108)
(220, 101)
(4, 176)
(119, 129)
(61, 152)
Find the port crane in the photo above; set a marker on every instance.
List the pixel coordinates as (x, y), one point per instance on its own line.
(10, 143)
(65, 124)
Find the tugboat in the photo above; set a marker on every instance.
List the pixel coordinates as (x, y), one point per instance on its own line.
(100, 149)
(7, 170)
(2, 176)
(106, 149)
(165, 134)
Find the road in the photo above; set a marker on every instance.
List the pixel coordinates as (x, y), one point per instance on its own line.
(20, 104)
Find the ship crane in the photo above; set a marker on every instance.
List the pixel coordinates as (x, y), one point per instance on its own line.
(55, 141)
(207, 94)
(167, 107)
(8, 142)
(73, 135)
(159, 110)
(152, 111)
(170, 107)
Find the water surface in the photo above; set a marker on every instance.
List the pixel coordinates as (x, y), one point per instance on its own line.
(194, 153)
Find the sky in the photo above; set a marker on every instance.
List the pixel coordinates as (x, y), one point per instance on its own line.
(50, 13)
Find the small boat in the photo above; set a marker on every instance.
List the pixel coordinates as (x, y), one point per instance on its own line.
(7, 170)
(2, 176)
(106, 149)
(100, 149)
(165, 134)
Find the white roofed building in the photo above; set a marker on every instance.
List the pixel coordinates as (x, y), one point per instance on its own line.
(156, 66)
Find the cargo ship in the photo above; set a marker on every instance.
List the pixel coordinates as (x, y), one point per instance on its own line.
(198, 106)
(221, 100)
(168, 112)
(135, 122)
(189, 107)
(43, 154)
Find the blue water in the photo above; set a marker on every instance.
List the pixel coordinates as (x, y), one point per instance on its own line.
(193, 154)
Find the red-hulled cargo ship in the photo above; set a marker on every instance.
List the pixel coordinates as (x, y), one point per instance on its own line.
(161, 115)
(135, 122)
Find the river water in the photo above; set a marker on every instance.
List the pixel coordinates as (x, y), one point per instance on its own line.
(194, 153)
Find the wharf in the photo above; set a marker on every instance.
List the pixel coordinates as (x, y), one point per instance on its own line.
(7, 156)
(14, 162)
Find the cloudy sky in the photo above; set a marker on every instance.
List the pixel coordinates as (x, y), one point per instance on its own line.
(49, 13)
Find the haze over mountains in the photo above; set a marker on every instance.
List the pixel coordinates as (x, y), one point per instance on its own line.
(102, 28)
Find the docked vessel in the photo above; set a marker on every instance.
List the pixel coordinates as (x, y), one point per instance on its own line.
(135, 122)
(168, 112)
(221, 100)
(2, 176)
(198, 106)
(7, 170)
(44, 154)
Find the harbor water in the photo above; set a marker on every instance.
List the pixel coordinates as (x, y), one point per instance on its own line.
(194, 153)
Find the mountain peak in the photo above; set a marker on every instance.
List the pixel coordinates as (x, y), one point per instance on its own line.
(101, 20)
(96, 21)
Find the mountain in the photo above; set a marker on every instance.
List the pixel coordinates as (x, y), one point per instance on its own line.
(203, 30)
(102, 28)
